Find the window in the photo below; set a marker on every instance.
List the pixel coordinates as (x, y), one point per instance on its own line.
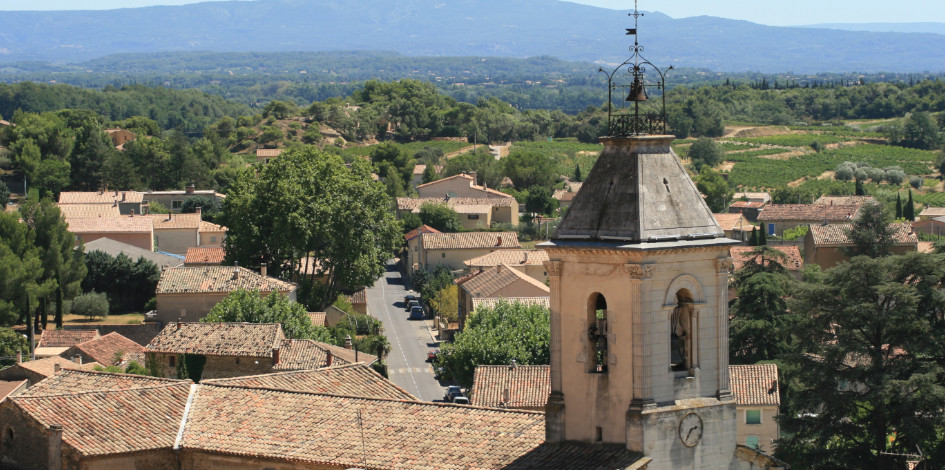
(444, 255)
(597, 334)
(752, 441)
(752, 416)
(172, 361)
(770, 229)
(8, 437)
(176, 204)
(472, 216)
(213, 238)
(237, 361)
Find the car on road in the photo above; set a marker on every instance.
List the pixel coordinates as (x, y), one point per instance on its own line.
(410, 305)
(460, 400)
(452, 391)
(416, 313)
(409, 297)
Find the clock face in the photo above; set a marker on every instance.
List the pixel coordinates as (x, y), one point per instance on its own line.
(690, 429)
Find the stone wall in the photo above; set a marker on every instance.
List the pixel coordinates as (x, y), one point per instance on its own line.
(23, 441)
(216, 367)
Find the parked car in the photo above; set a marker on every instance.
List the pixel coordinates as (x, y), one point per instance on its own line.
(410, 305)
(460, 400)
(416, 313)
(409, 297)
(452, 391)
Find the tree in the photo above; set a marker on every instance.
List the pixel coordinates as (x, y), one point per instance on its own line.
(760, 328)
(871, 232)
(898, 205)
(128, 284)
(248, 306)
(493, 336)
(440, 216)
(715, 188)
(919, 131)
(577, 173)
(11, 344)
(908, 211)
(704, 152)
(858, 188)
(308, 208)
(91, 304)
(209, 207)
(20, 271)
(870, 377)
(753, 241)
(446, 303)
(539, 201)
(762, 237)
(527, 169)
(4, 194)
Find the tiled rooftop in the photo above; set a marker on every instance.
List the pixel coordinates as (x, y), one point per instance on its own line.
(793, 260)
(836, 234)
(733, 221)
(748, 204)
(490, 281)
(932, 212)
(489, 191)
(759, 196)
(318, 318)
(104, 349)
(112, 422)
(510, 257)
(324, 429)
(359, 297)
(416, 232)
(76, 381)
(296, 354)
(564, 195)
(46, 367)
(207, 227)
(352, 380)
(511, 386)
(807, 212)
(457, 203)
(268, 153)
(123, 224)
(174, 221)
(578, 456)
(844, 200)
(73, 211)
(65, 338)
(468, 240)
(208, 279)
(755, 384)
(9, 386)
(97, 197)
(218, 339)
(204, 255)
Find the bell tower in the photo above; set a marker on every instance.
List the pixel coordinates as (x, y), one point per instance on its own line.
(639, 297)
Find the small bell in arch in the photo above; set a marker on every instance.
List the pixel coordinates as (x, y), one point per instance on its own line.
(637, 90)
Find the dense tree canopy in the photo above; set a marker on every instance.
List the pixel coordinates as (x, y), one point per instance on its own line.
(248, 306)
(128, 284)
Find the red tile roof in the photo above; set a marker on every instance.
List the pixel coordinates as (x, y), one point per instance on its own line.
(73, 211)
(748, 204)
(268, 153)
(468, 240)
(96, 197)
(318, 318)
(218, 279)
(523, 387)
(836, 234)
(204, 255)
(490, 281)
(416, 232)
(510, 257)
(357, 432)
(112, 422)
(104, 349)
(457, 203)
(123, 224)
(844, 200)
(359, 297)
(218, 339)
(7, 387)
(352, 380)
(174, 221)
(76, 381)
(297, 354)
(65, 338)
(732, 221)
(807, 213)
(793, 260)
(46, 367)
(755, 384)
(208, 227)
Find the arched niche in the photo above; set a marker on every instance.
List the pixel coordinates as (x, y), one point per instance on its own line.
(597, 333)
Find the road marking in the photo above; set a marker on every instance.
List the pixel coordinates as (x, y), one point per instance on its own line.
(400, 347)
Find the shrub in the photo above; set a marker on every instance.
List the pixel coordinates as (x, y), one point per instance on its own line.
(916, 182)
(91, 304)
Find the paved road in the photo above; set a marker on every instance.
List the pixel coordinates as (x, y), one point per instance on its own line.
(410, 340)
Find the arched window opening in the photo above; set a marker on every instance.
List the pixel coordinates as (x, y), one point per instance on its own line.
(682, 332)
(8, 437)
(597, 333)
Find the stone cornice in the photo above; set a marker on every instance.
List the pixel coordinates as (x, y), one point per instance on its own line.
(639, 271)
(553, 267)
(724, 265)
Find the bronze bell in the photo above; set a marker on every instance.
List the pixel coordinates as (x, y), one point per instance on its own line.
(637, 91)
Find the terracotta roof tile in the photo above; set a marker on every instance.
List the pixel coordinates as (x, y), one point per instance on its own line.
(578, 456)
(324, 429)
(204, 255)
(46, 367)
(352, 380)
(174, 221)
(509, 257)
(359, 297)
(268, 153)
(488, 282)
(218, 339)
(416, 232)
(487, 191)
(76, 381)
(112, 422)
(207, 227)
(836, 234)
(95, 197)
(755, 384)
(844, 200)
(104, 348)
(301, 354)
(65, 338)
(732, 221)
(807, 212)
(523, 387)
(748, 204)
(759, 196)
(205, 279)
(564, 195)
(75, 211)
(318, 318)
(793, 259)
(932, 212)
(8, 387)
(457, 203)
(123, 224)
(466, 240)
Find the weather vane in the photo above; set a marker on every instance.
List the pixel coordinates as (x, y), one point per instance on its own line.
(627, 121)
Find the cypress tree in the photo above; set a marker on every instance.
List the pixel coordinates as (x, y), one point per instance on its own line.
(909, 210)
(753, 241)
(859, 191)
(577, 173)
(898, 206)
(762, 238)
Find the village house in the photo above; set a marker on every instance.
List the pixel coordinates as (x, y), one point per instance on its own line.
(844, 200)
(411, 256)
(776, 218)
(37, 370)
(78, 211)
(204, 256)
(114, 248)
(128, 202)
(134, 230)
(497, 282)
(416, 178)
(827, 245)
(462, 185)
(175, 233)
(749, 204)
(9, 388)
(757, 401)
(267, 155)
(174, 200)
(120, 137)
(473, 213)
(55, 342)
(520, 387)
(933, 226)
(109, 350)
(210, 234)
(528, 262)
(453, 249)
(189, 293)
(735, 226)
(931, 213)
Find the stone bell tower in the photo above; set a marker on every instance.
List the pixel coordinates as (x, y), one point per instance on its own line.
(639, 306)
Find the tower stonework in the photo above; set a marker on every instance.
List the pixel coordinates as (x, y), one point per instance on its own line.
(639, 316)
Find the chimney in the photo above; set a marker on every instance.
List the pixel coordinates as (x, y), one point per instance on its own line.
(77, 359)
(329, 358)
(506, 396)
(498, 268)
(262, 268)
(275, 356)
(499, 242)
(57, 367)
(514, 364)
(178, 324)
(189, 189)
(124, 196)
(198, 213)
(116, 193)
(348, 343)
(525, 261)
(19, 357)
(132, 212)
(54, 455)
(168, 216)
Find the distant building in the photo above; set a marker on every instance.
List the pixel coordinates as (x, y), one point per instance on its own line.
(453, 249)
(134, 230)
(474, 213)
(528, 262)
(933, 226)
(827, 245)
(496, 283)
(189, 293)
(174, 200)
(129, 202)
(267, 155)
(776, 218)
(735, 225)
(204, 256)
(520, 387)
(115, 248)
(757, 402)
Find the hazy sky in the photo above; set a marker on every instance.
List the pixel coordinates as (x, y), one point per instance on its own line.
(779, 13)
